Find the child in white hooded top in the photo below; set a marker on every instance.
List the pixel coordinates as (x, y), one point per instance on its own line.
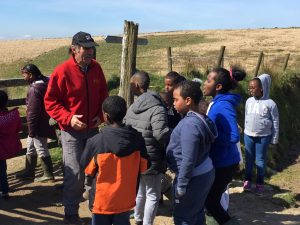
(261, 129)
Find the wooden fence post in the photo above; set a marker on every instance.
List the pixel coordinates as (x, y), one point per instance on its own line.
(128, 60)
(221, 56)
(286, 61)
(169, 56)
(260, 58)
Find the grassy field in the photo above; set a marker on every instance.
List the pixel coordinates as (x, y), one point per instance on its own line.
(199, 48)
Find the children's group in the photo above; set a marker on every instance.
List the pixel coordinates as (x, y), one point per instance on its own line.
(129, 163)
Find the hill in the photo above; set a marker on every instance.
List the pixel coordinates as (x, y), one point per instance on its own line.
(197, 47)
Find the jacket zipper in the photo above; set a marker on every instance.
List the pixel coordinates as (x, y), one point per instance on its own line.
(87, 95)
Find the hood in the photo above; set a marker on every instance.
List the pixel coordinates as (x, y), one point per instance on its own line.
(234, 99)
(265, 80)
(209, 125)
(146, 101)
(123, 141)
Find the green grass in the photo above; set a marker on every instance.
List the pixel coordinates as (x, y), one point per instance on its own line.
(56, 154)
(287, 199)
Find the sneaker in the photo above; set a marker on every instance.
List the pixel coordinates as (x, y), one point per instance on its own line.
(259, 189)
(72, 220)
(247, 185)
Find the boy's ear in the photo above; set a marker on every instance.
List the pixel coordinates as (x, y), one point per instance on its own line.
(219, 87)
(105, 116)
(188, 101)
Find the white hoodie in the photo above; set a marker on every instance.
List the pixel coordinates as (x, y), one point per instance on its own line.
(261, 115)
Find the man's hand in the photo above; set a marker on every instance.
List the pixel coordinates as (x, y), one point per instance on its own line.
(96, 121)
(76, 123)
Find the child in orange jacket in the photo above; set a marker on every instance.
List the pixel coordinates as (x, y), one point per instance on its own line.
(115, 157)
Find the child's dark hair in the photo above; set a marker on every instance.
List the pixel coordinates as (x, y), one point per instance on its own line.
(258, 81)
(166, 97)
(190, 89)
(3, 99)
(115, 107)
(175, 77)
(33, 69)
(228, 79)
(144, 79)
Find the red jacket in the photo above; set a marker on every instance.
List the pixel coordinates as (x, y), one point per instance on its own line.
(72, 92)
(10, 125)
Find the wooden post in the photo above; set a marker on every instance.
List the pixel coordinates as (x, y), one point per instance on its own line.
(221, 56)
(169, 56)
(128, 60)
(286, 61)
(260, 58)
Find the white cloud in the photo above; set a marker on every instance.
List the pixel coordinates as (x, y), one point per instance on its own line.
(27, 36)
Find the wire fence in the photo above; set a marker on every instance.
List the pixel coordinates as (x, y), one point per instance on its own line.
(184, 62)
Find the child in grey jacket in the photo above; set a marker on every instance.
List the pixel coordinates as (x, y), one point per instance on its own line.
(149, 117)
(261, 129)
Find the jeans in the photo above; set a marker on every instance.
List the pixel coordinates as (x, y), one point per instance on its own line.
(73, 144)
(3, 177)
(147, 198)
(115, 219)
(256, 151)
(189, 208)
(37, 145)
(213, 205)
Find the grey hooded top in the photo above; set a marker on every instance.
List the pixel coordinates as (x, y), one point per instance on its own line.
(149, 117)
(261, 115)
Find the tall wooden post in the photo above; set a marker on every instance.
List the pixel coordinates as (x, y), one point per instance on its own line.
(169, 55)
(221, 56)
(286, 61)
(260, 58)
(128, 60)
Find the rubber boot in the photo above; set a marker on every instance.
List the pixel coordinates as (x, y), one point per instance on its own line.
(232, 221)
(29, 172)
(47, 166)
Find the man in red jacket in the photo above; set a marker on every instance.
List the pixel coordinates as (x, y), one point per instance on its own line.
(74, 99)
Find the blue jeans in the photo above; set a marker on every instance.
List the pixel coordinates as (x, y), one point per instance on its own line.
(3, 177)
(115, 219)
(189, 209)
(256, 151)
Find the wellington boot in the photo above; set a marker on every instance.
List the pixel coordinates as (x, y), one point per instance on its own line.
(29, 172)
(47, 166)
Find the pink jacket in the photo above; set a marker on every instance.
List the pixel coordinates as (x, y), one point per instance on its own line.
(10, 125)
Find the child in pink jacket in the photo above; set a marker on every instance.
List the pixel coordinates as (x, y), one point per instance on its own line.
(10, 145)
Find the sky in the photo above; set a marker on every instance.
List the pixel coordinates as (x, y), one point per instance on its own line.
(29, 19)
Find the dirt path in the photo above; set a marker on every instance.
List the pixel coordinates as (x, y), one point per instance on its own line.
(33, 203)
